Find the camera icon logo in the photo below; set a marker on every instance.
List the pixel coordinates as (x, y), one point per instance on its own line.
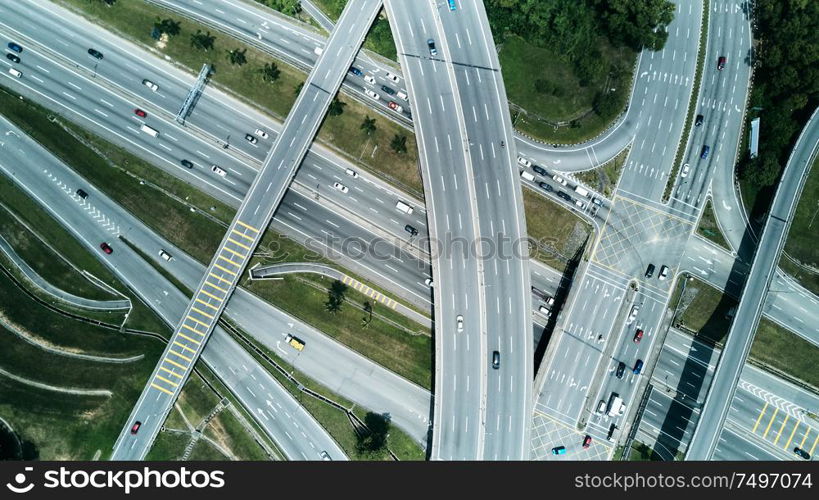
(20, 479)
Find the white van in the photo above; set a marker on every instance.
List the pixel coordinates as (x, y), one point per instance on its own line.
(403, 207)
(318, 51)
(582, 191)
(148, 130)
(527, 175)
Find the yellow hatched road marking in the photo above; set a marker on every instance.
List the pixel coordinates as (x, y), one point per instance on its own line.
(243, 235)
(219, 278)
(206, 304)
(197, 321)
(160, 377)
(776, 410)
(791, 436)
(804, 438)
(176, 364)
(211, 295)
(203, 313)
(814, 444)
(238, 244)
(189, 339)
(171, 372)
(166, 391)
(217, 266)
(183, 346)
(189, 360)
(759, 419)
(787, 417)
(242, 255)
(193, 330)
(228, 260)
(247, 226)
(217, 287)
(347, 280)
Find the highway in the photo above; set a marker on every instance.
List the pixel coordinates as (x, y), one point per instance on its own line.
(749, 311)
(245, 232)
(461, 357)
(768, 416)
(93, 221)
(597, 332)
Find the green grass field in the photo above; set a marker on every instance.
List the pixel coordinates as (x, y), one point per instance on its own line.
(801, 245)
(524, 64)
(703, 311)
(786, 352)
(559, 233)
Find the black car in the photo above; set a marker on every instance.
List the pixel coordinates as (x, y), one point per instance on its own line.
(802, 453)
(564, 195)
(95, 53)
(539, 170)
(411, 230)
(82, 194)
(698, 121)
(544, 186)
(388, 90)
(432, 50)
(495, 359)
(11, 57)
(621, 369)
(186, 163)
(650, 271)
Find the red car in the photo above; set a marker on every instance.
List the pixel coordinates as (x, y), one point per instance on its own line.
(106, 248)
(638, 336)
(587, 441)
(140, 113)
(135, 428)
(721, 63)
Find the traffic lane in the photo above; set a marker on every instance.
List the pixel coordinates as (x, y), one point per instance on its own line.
(299, 435)
(733, 446)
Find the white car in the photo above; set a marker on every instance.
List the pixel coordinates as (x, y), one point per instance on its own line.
(352, 173)
(392, 78)
(428, 282)
(369, 79)
(261, 133)
(632, 315)
(580, 204)
(684, 171)
(218, 171)
(372, 94)
(165, 255)
(545, 311)
(402, 95)
(341, 187)
(559, 180)
(459, 321)
(14, 72)
(249, 138)
(523, 161)
(663, 273)
(151, 85)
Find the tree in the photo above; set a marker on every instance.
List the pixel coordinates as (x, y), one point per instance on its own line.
(399, 143)
(368, 125)
(297, 89)
(237, 57)
(336, 107)
(202, 41)
(636, 24)
(605, 104)
(271, 72)
(168, 26)
(335, 296)
(368, 309)
(373, 440)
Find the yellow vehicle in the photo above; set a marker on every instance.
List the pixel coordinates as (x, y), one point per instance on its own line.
(296, 342)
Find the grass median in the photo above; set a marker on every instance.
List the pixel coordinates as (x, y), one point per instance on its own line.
(604, 178)
(801, 258)
(558, 233)
(708, 228)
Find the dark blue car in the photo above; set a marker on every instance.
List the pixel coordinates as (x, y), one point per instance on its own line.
(16, 48)
(705, 151)
(638, 367)
(356, 71)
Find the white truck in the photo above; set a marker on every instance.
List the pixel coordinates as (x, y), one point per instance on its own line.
(616, 405)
